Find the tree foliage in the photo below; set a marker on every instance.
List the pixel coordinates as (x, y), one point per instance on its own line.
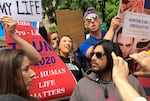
(50, 6)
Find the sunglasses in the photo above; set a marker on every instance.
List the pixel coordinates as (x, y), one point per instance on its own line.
(142, 44)
(98, 54)
(89, 19)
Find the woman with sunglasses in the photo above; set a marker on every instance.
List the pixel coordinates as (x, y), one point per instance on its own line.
(15, 73)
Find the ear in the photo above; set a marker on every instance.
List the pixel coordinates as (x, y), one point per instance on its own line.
(100, 21)
(85, 25)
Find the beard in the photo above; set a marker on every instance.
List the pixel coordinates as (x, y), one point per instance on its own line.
(101, 70)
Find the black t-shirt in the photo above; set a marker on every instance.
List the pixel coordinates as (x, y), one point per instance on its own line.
(74, 67)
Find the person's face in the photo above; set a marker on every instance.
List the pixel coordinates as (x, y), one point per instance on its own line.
(98, 60)
(65, 46)
(54, 40)
(27, 73)
(92, 22)
(126, 44)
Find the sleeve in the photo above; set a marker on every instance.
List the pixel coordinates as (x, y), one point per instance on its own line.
(136, 84)
(75, 95)
(84, 47)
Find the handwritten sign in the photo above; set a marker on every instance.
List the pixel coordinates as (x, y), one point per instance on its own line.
(53, 78)
(29, 10)
(137, 25)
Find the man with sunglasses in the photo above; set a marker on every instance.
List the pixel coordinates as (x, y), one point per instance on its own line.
(98, 85)
(92, 22)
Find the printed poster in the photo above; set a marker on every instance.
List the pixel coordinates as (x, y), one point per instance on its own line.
(53, 78)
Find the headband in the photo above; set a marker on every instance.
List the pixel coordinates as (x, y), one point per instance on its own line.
(90, 12)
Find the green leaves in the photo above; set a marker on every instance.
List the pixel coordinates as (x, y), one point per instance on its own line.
(50, 6)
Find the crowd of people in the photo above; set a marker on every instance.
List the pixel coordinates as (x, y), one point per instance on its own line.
(108, 79)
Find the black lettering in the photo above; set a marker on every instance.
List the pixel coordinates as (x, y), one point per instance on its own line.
(31, 7)
(4, 7)
(36, 6)
(25, 2)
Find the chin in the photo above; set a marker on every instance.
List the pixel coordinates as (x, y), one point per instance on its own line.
(95, 70)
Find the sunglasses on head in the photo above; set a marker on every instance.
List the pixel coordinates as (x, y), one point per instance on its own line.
(98, 54)
(89, 19)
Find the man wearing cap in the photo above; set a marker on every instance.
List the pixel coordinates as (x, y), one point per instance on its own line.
(92, 22)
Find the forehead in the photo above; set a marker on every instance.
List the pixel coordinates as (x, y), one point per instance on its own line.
(124, 39)
(91, 15)
(54, 34)
(99, 48)
(65, 38)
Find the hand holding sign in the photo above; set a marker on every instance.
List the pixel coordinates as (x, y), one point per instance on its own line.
(10, 24)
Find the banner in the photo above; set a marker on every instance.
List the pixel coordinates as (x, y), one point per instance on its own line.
(53, 78)
(133, 35)
(28, 10)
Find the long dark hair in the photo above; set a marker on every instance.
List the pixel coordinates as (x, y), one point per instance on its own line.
(11, 80)
(109, 47)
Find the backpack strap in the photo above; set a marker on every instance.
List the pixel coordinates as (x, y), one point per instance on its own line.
(90, 40)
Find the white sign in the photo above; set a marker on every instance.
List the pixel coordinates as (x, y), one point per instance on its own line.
(29, 10)
(136, 25)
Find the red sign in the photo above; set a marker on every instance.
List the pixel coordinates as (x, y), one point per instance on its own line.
(53, 78)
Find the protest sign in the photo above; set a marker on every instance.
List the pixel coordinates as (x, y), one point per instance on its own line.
(136, 25)
(133, 34)
(53, 78)
(29, 10)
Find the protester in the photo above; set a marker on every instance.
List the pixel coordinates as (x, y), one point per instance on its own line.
(92, 22)
(65, 46)
(15, 73)
(120, 75)
(99, 82)
(53, 38)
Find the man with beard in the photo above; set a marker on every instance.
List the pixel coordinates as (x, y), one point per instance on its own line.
(92, 22)
(98, 86)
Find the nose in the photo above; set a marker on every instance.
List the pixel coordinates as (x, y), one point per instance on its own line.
(92, 20)
(32, 73)
(93, 57)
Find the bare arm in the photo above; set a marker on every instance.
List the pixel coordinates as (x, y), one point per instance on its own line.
(120, 75)
(31, 53)
(114, 25)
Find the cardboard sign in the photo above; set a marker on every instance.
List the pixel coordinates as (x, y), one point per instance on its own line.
(53, 78)
(136, 25)
(28, 10)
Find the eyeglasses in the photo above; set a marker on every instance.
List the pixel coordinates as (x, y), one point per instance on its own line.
(142, 44)
(98, 54)
(89, 19)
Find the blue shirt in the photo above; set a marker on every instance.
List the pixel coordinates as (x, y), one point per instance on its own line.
(87, 44)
